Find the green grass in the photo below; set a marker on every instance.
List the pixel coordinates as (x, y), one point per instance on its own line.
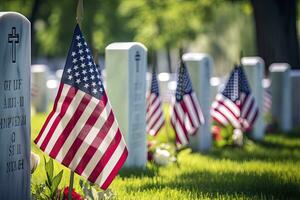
(261, 170)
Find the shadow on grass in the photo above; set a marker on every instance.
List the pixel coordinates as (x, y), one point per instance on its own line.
(252, 185)
(274, 148)
(150, 171)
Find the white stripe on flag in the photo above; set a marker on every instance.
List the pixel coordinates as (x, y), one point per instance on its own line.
(159, 123)
(180, 133)
(219, 117)
(90, 137)
(76, 130)
(224, 110)
(101, 149)
(111, 163)
(150, 99)
(154, 118)
(64, 121)
(200, 114)
(153, 108)
(65, 90)
(191, 109)
(229, 104)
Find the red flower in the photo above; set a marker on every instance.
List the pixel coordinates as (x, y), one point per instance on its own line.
(75, 195)
(216, 131)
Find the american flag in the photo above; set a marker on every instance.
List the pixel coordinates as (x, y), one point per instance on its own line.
(186, 114)
(81, 132)
(267, 98)
(155, 116)
(235, 105)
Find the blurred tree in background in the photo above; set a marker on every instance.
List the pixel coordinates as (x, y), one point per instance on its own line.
(221, 28)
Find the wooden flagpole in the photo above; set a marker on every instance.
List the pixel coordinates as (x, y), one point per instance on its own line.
(79, 17)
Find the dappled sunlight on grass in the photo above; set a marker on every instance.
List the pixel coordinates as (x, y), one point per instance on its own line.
(260, 170)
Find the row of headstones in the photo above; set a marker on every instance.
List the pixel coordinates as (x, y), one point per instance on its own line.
(126, 65)
(126, 76)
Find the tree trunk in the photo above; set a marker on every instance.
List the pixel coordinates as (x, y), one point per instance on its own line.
(276, 31)
(33, 18)
(169, 59)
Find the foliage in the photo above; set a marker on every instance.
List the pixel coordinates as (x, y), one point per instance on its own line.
(91, 193)
(48, 189)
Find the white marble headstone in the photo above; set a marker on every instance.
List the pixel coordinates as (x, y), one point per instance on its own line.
(200, 69)
(39, 90)
(281, 95)
(254, 68)
(15, 60)
(295, 80)
(126, 65)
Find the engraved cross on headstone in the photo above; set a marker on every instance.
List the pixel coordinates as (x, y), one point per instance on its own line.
(137, 59)
(13, 38)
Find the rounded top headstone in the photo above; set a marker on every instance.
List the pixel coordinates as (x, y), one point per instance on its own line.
(252, 61)
(279, 67)
(4, 15)
(195, 56)
(38, 68)
(125, 45)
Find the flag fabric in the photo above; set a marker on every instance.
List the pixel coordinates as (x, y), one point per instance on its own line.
(81, 132)
(155, 116)
(235, 104)
(267, 98)
(186, 114)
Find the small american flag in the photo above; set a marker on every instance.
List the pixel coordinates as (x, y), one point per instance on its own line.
(155, 116)
(186, 114)
(235, 104)
(267, 98)
(81, 132)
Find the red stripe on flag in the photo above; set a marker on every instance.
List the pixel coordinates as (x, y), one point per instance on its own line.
(149, 118)
(223, 104)
(95, 144)
(154, 123)
(51, 114)
(68, 99)
(178, 120)
(198, 112)
(250, 107)
(105, 157)
(82, 134)
(69, 127)
(186, 111)
(115, 170)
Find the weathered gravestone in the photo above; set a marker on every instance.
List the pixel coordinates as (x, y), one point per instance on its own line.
(15, 61)
(200, 70)
(126, 65)
(295, 80)
(254, 69)
(281, 95)
(39, 90)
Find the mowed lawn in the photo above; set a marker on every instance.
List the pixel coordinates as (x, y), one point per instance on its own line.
(265, 170)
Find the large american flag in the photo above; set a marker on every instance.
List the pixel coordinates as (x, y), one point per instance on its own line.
(186, 114)
(81, 132)
(235, 105)
(155, 116)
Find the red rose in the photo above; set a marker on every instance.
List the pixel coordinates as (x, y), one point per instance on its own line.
(75, 195)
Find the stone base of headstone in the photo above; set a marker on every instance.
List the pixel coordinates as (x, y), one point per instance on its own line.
(281, 95)
(200, 70)
(126, 65)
